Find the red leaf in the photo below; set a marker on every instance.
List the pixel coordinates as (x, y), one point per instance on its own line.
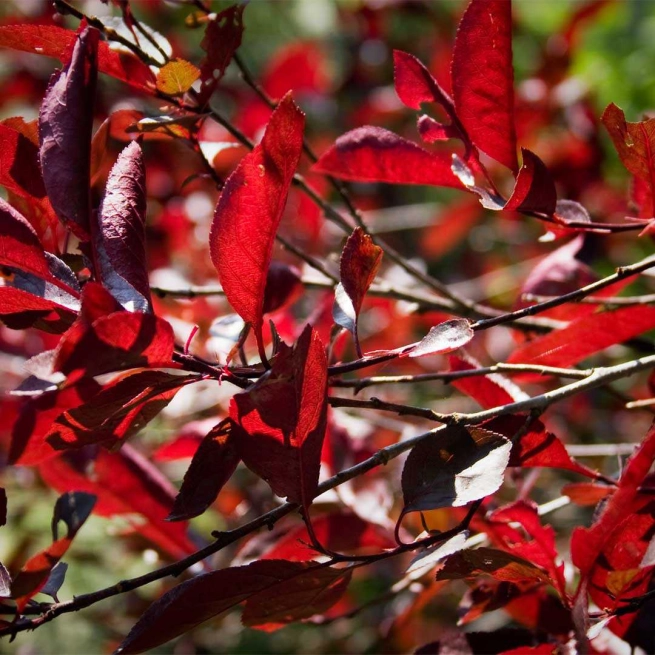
(65, 123)
(587, 493)
(120, 243)
(299, 67)
(53, 41)
(444, 338)
(28, 444)
(534, 190)
(489, 390)
(483, 79)
(360, 261)
(337, 532)
(499, 564)
(126, 483)
(73, 508)
(283, 419)
(536, 446)
(118, 341)
(372, 154)
(635, 143)
(587, 543)
(19, 164)
(197, 600)
(249, 211)
(585, 336)
(19, 245)
(117, 412)
(221, 40)
(212, 466)
(454, 467)
(415, 85)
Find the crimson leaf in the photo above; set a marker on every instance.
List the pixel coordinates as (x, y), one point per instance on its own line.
(372, 154)
(483, 79)
(534, 190)
(283, 419)
(249, 211)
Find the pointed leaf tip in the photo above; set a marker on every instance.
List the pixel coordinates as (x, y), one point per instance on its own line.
(249, 211)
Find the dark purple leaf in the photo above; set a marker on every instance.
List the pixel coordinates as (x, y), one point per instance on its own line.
(65, 124)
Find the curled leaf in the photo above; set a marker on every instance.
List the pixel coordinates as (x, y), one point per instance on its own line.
(444, 338)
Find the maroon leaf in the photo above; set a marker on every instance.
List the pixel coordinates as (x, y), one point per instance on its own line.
(222, 39)
(119, 340)
(74, 508)
(360, 261)
(483, 79)
(497, 563)
(534, 190)
(37, 415)
(249, 211)
(120, 242)
(635, 143)
(311, 592)
(19, 164)
(65, 124)
(454, 467)
(282, 284)
(212, 466)
(444, 338)
(283, 419)
(372, 154)
(585, 336)
(197, 600)
(120, 410)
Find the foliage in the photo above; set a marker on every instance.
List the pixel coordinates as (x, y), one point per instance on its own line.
(456, 245)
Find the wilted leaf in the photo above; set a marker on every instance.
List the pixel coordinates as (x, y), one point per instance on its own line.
(55, 580)
(176, 77)
(454, 467)
(360, 261)
(284, 416)
(5, 582)
(534, 190)
(65, 124)
(212, 466)
(483, 79)
(120, 243)
(372, 154)
(249, 211)
(635, 142)
(444, 338)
